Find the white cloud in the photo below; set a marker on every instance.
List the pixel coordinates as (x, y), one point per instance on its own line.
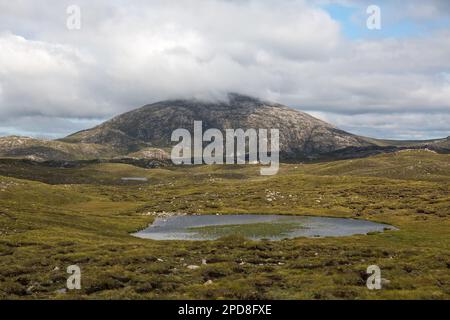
(42, 78)
(127, 55)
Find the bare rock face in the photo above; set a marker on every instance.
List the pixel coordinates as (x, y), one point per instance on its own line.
(150, 153)
(441, 145)
(301, 135)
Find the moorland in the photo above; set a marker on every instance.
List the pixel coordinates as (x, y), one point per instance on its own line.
(52, 217)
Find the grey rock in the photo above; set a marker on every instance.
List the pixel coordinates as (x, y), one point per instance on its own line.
(193, 267)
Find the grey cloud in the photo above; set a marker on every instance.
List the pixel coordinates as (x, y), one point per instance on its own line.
(44, 127)
(392, 126)
(127, 55)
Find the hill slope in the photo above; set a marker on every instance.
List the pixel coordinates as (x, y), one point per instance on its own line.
(301, 135)
(39, 150)
(145, 133)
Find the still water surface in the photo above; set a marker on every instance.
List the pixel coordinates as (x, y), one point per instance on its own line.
(272, 227)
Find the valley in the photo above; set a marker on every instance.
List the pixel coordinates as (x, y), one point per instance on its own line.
(215, 158)
(53, 217)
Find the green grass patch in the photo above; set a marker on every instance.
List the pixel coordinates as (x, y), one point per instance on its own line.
(261, 230)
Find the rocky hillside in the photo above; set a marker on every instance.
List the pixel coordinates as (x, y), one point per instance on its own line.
(41, 150)
(145, 133)
(301, 135)
(442, 145)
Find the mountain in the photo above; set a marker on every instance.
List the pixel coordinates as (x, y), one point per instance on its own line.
(301, 135)
(146, 132)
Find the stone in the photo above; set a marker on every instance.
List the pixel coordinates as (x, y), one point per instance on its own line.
(193, 267)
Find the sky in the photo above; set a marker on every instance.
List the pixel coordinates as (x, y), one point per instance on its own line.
(318, 56)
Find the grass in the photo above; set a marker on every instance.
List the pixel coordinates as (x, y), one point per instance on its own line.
(51, 218)
(261, 230)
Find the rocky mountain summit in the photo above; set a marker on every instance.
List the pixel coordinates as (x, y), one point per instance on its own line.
(146, 133)
(301, 135)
